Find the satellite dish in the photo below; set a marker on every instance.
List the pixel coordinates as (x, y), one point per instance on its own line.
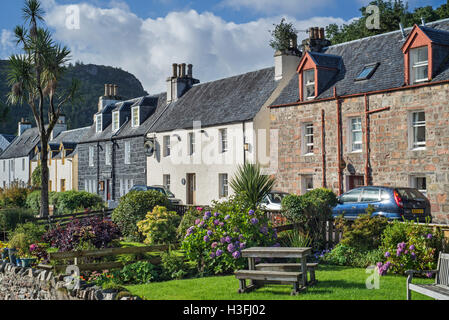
(149, 147)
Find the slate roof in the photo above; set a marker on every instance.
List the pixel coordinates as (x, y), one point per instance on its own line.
(326, 60)
(385, 49)
(229, 100)
(22, 146)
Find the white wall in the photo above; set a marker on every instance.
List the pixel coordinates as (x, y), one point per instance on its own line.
(207, 162)
(17, 169)
(58, 171)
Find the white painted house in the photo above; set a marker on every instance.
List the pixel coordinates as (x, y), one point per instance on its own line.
(206, 131)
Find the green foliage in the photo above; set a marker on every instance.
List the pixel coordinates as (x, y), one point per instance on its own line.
(33, 201)
(252, 184)
(391, 14)
(282, 34)
(14, 196)
(295, 238)
(409, 245)
(173, 266)
(133, 208)
(364, 233)
(32, 231)
(187, 220)
(159, 226)
(216, 240)
(11, 217)
(310, 211)
(75, 201)
(344, 255)
(140, 272)
(36, 177)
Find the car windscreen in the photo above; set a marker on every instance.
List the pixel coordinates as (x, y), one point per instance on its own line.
(410, 194)
(276, 197)
(157, 189)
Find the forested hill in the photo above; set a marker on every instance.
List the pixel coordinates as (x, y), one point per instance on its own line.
(92, 78)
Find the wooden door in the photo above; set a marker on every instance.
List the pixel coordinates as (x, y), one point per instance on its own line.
(191, 188)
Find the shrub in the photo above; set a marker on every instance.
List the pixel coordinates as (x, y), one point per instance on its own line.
(75, 201)
(159, 226)
(133, 208)
(36, 177)
(215, 241)
(33, 231)
(310, 211)
(33, 201)
(294, 238)
(138, 273)
(408, 246)
(188, 220)
(344, 255)
(14, 196)
(10, 218)
(97, 232)
(20, 242)
(364, 233)
(173, 266)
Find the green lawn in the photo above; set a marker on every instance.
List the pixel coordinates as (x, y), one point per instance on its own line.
(335, 283)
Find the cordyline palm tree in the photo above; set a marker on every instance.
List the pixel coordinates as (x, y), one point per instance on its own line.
(33, 77)
(252, 184)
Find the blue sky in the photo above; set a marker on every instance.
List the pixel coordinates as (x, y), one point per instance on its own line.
(220, 37)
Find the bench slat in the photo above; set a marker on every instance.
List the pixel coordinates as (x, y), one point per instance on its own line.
(431, 290)
(268, 275)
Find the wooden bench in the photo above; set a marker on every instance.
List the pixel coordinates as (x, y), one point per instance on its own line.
(262, 277)
(290, 267)
(440, 289)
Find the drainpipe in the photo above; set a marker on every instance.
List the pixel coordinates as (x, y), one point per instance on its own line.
(323, 147)
(98, 166)
(367, 176)
(339, 162)
(244, 141)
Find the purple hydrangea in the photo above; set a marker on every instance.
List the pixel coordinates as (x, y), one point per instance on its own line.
(241, 237)
(219, 253)
(429, 274)
(231, 248)
(236, 254)
(216, 214)
(413, 255)
(209, 233)
(216, 222)
(222, 240)
(228, 217)
(264, 230)
(251, 212)
(206, 239)
(207, 215)
(228, 239)
(242, 245)
(221, 224)
(212, 255)
(254, 221)
(383, 269)
(387, 254)
(429, 236)
(190, 231)
(412, 247)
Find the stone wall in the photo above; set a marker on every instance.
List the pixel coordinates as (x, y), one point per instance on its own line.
(18, 283)
(391, 160)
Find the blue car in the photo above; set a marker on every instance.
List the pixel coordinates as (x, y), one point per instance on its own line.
(392, 203)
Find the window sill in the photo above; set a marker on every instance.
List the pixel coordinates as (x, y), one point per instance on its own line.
(418, 149)
(308, 154)
(356, 152)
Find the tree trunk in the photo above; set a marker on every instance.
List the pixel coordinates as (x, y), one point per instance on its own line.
(44, 177)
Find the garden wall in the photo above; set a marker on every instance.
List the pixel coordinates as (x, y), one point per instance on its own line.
(18, 283)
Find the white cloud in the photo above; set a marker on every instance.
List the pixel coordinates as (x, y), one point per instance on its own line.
(6, 43)
(148, 47)
(277, 6)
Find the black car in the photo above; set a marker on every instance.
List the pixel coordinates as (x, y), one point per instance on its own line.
(171, 197)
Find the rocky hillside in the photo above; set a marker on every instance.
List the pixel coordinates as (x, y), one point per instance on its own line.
(92, 78)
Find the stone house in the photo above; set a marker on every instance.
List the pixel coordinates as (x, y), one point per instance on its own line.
(368, 112)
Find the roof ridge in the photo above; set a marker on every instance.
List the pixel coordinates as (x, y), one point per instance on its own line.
(234, 76)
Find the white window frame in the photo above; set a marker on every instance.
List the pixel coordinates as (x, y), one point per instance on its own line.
(223, 184)
(191, 143)
(167, 146)
(414, 66)
(352, 131)
(115, 121)
(224, 145)
(167, 180)
(307, 146)
(108, 154)
(135, 118)
(413, 126)
(307, 84)
(414, 183)
(91, 156)
(99, 123)
(127, 152)
(304, 183)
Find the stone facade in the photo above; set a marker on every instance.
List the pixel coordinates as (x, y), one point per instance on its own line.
(117, 174)
(18, 283)
(392, 160)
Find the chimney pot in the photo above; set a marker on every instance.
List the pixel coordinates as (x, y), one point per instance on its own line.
(115, 90)
(322, 36)
(175, 70)
(190, 70)
(106, 90)
(183, 70)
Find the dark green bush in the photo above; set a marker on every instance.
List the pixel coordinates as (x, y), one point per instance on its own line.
(133, 208)
(344, 255)
(34, 200)
(188, 220)
(14, 196)
(11, 217)
(75, 201)
(173, 266)
(36, 177)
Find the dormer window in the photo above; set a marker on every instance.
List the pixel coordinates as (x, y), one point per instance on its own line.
(115, 121)
(99, 123)
(135, 117)
(309, 84)
(419, 65)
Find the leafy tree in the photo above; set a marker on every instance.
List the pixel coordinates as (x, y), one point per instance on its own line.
(36, 177)
(251, 184)
(33, 77)
(392, 12)
(282, 34)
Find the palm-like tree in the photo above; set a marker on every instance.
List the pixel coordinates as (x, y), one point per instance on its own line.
(252, 184)
(33, 77)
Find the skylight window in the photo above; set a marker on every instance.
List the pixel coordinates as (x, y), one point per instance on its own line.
(367, 72)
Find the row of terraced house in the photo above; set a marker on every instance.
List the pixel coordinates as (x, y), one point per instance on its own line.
(368, 112)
